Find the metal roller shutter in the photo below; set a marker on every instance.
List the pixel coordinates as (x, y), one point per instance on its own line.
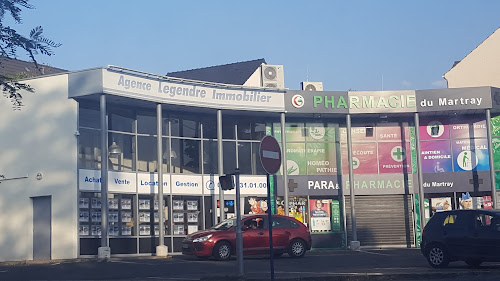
(382, 220)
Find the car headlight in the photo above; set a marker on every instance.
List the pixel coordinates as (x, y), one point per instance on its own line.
(202, 239)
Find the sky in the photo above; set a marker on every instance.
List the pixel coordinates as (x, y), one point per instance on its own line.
(369, 45)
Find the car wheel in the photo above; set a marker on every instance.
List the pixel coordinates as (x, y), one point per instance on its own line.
(473, 262)
(297, 248)
(437, 256)
(222, 251)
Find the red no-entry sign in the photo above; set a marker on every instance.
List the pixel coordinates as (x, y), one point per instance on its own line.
(270, 154)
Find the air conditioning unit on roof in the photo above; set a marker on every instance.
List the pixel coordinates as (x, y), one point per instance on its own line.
(272, 76)
(311, 86)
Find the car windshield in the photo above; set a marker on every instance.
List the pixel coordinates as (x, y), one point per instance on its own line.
(227, 224)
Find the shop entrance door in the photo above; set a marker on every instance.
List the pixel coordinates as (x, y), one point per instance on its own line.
(42, 228)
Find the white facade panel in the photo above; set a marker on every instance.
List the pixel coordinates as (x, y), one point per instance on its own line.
(39, 139)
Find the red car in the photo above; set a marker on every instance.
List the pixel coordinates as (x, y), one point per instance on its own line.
(289, 235)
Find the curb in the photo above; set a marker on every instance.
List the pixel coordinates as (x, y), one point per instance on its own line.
(363, 277)
(77, 260)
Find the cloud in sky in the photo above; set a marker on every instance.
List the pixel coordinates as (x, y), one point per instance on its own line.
(439, 84)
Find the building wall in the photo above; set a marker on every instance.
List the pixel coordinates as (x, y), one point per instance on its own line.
(39, 139)
(479, 68)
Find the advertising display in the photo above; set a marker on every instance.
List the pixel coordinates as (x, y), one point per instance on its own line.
(320, 215)
(320, 132)
(441, 204)
(321, 158)
(471, 155)
(364, 156)
(468, 129)
(436, 156)
(359, 134)
(255, 205)
(296, 158)
(434, 129)
(392, 157)
(392, 132)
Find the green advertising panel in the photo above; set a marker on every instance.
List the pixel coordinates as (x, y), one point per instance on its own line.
(275, 131)
(335, 216)
(320, 132)
(294, 132)
(296, 158)
(496, 152)
(497, 180)
(321, 159)
(495, 126)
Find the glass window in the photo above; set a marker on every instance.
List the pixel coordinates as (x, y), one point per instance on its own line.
(229, 152)
(259, 169)
(182, 127)
(146, 123)
(295, 132)
(209, 126)
(191, 156)
(245, 157)
(258, 131)
(248, 130)
(281, 223)
(146, 153)
(244, 130)
(121, 120)
(210, 157)
(166, 153)
(89, 117)
(185, 156)
(89, 149)
(228, 123)
(121, 152)
(190, 128)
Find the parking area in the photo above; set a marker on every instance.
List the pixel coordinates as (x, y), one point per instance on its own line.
(367, 264)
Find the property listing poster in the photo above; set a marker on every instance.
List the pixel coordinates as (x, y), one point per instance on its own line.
(436, 156)
(434, 129)
(364, 157)
(320, 215)
(470, 155)
(392, 157)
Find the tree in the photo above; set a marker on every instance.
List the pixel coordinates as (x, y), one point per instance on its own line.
(11, 42)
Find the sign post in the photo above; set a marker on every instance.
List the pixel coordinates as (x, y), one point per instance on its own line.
(270, 157)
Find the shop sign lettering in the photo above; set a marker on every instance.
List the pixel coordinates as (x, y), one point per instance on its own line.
(366, 102)
(452, 102)
(438, 184)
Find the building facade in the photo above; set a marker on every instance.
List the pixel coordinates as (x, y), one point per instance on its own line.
(402, 146)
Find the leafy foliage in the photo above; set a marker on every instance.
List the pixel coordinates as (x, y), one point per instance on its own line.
(11, 42)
